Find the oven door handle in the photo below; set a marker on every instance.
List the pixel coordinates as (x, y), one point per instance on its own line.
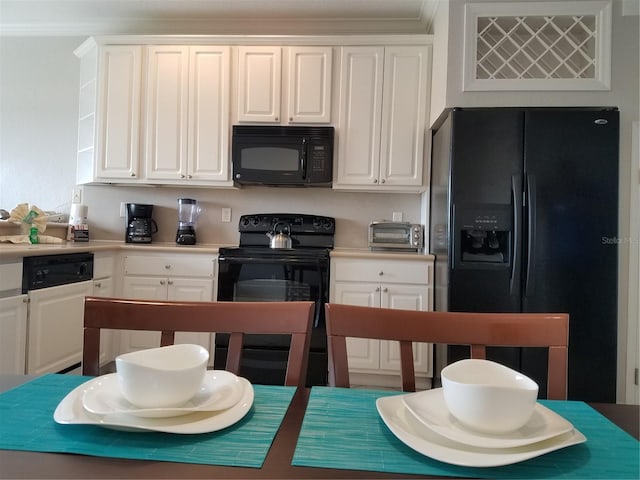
(271, 260)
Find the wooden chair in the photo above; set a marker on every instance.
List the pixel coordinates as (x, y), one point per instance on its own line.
(457, 328)
(236, 318)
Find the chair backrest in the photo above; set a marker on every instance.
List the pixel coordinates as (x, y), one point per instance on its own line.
(457, 328)
(235, 318)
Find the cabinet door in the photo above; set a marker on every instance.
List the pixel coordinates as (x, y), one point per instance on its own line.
(404, 109)
(208, 143)
(118, 122)
(360, 108)
(166, 107)
(259, 84)
(13, 334)
(362, 353)
(309, 84)
(191, 290)
(104, 288)
(55, 329)
(406, 297)
(145, 288)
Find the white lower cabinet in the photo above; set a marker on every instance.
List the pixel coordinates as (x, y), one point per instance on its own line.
(385, 283)
(188, 277)
(103, 266)
(54, 335)
(13, 334)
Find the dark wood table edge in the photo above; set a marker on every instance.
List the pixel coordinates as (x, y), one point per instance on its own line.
(27, 464)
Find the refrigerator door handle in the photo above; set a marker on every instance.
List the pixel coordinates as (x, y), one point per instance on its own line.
(516, 194)
(530, 283)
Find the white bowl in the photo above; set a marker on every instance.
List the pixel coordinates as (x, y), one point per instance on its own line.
(487, 396)
(162, 377)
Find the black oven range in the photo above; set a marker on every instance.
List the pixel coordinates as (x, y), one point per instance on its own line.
(260, 270)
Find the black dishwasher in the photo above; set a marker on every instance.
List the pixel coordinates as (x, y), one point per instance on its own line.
(52, 270)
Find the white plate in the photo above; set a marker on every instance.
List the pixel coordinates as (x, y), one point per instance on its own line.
(404, 425)
(71, 411)
(220, 390)
(430, 408)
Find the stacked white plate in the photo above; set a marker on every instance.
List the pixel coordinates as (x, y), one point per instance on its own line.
(223, 399)
(422, 421)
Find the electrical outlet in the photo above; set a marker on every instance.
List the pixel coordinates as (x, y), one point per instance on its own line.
(76, 195)
(226, 214)
(397, 216)
(122, 210)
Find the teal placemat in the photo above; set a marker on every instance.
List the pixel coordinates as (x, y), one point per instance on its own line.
(342, 429)
(26, 423)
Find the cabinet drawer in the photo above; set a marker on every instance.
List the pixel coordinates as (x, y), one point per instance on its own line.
(10, 276)
(387, 271)
(172, 265)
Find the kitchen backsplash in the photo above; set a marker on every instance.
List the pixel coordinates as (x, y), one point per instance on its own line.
(353, 211)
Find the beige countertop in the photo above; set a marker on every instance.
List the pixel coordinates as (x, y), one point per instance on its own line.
(10, 250)
(380, 254)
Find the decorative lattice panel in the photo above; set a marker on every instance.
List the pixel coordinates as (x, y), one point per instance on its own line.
(537, 51)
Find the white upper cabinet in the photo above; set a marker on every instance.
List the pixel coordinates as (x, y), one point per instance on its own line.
(187, 114)
(259, 79)
(109, 113)
(301, 95)
(383, 102)
(309, 84)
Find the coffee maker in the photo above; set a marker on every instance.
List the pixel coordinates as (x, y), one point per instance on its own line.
(187, 214)
(140, 225)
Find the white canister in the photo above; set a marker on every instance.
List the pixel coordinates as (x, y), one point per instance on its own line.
(78, 223)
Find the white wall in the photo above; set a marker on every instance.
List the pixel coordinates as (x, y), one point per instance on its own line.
(38, 121)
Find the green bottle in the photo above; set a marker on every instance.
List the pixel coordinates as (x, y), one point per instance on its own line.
(33, 234)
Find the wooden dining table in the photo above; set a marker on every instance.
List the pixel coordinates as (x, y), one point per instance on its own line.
(278, 462)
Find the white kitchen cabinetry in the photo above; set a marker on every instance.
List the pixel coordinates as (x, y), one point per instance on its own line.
(13, 334)
(187, 114)
(103, 287)
(56, 327)
(188, 277)
(13, 319)
(109, 113)
(301, 95)
(383, 104)
(386, 283)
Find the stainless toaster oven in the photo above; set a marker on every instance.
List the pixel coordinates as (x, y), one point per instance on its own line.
(396, 236)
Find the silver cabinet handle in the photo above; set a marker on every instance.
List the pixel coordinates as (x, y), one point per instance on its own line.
(162, 282)
(167, 267)
(380, 273)
(170, 282)
(377, 289)
(385, 289)
(98, 285)
(375, 180)
(133, 174)
(383, 180)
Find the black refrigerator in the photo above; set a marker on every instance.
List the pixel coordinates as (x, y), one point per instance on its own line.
(524, 218)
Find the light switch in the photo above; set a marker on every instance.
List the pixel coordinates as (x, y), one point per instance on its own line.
(397, 216)
(226, 214)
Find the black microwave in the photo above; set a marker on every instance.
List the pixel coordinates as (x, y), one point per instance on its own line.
(282, 156)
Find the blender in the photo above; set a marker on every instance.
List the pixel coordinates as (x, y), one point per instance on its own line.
(187, 213)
